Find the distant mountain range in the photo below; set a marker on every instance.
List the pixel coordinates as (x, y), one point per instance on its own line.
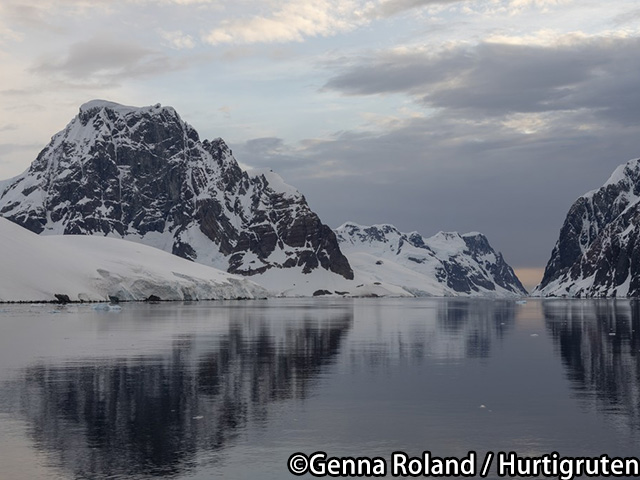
(598, 251)
(144, 175)
(446, 264)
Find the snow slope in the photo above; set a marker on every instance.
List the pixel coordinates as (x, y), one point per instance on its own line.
(447, 264)
(292, 282)
(89, 268)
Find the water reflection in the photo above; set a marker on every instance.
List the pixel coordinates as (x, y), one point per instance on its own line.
(437, 329)
(478, 322)
(152, 415)
(599, 342)
(166, 407)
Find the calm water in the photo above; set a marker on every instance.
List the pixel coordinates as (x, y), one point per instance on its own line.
(232, 389)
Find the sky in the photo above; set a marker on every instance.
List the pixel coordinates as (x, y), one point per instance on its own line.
(454, 115)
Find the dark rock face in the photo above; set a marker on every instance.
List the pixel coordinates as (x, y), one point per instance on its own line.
(500, 272)
(144, 174)
(464, 264)
(319, 293)
(598, 251)
(62, 298)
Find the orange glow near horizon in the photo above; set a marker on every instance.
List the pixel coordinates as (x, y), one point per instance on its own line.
(530, 277)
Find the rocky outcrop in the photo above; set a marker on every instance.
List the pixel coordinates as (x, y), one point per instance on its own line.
(144, 174)
(598, 251)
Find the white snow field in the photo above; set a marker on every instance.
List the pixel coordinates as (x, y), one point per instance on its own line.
(421, 266)
(90, 268)
(291, 282)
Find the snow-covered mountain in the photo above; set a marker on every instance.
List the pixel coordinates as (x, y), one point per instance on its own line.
(598, 251)
(143, 174)
(443, 265)
(90, 268)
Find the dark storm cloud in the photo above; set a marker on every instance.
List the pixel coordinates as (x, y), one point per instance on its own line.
(434, 174)
(496, 79)
(107, 61)
(518, 133)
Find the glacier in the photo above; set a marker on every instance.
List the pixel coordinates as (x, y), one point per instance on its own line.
(87, 268)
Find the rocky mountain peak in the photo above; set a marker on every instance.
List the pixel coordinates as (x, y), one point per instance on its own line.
(595, 254)
(477, 243)
(143, 174)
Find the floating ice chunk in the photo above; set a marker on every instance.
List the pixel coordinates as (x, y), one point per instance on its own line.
(105, 307)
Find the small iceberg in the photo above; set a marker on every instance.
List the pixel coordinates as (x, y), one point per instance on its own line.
(106, 307)
(521, 302)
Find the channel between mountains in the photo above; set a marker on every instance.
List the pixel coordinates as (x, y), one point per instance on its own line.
(144, 175)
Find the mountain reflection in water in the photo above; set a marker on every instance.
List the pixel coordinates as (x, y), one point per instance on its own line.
(599, 344)
(153, 414)
(123, 414)
(482, 322)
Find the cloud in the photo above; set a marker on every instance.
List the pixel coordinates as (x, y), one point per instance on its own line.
(178, 39)
(31, 16)
(7, 33)
(388, 8)
(265, 145)
(440, 172)
(106, 61)
(537, 3)
(507, 137)
(192, 2)
(630, 16)
(297, 20)
(6, 148)
(497, 79)
(293, 22)
(269, 152)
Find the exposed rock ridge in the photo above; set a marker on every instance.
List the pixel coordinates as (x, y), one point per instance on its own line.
(598, 251)
(144, 174)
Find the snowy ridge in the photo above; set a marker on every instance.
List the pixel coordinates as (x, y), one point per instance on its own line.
(595, 252)
(86, 268)
(275, 181)
(143, 174)
(622, 177)
(446, 264)
(93, 105)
